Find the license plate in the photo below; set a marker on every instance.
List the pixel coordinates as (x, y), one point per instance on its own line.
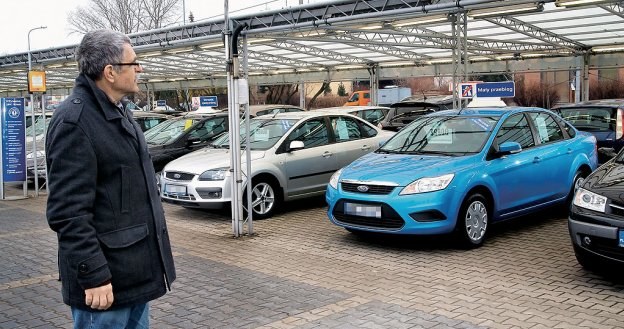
(621, 238)
(175, 189)
(363, 210)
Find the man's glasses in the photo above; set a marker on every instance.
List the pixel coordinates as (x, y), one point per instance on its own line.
(127, 64)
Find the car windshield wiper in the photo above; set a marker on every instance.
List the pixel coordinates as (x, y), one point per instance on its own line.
(452, 154)
(384, 151)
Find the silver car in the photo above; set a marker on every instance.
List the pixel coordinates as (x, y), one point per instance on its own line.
(293, 155)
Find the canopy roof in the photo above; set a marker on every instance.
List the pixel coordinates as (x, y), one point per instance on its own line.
(343, 39)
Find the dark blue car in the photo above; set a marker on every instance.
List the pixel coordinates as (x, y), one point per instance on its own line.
(459, 171)
(602, 118)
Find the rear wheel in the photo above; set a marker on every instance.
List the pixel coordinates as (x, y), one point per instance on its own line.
(578, 180)
(473, 221)
(264, 199)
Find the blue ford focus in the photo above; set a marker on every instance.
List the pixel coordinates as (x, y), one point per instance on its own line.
(459, 171)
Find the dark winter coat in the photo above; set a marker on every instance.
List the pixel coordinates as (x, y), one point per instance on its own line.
(103, 202)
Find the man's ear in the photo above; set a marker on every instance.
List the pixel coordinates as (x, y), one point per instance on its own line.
(109, 73)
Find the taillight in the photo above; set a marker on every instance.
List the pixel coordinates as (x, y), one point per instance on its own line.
(619, 127)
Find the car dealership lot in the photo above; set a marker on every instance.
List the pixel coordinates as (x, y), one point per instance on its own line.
(300, 271)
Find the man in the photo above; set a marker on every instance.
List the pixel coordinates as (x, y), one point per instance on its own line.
(114, 253)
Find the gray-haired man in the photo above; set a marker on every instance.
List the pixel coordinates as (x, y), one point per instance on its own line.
(114, 251)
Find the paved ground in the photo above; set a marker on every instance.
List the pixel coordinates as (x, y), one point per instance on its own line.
(300, 271)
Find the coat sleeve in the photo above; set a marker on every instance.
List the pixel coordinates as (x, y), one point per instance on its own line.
(72, 179)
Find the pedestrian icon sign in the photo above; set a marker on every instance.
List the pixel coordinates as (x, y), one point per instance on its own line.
(467, 91)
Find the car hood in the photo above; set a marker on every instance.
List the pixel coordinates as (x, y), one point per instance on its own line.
(403, 169)
(207, 158)
(607, 180)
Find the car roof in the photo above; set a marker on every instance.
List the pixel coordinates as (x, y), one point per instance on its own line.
(253, 109)
(140, 114)
(302, 115)
(487, 111)
(597, 102)
(415, 99)
(352, 108)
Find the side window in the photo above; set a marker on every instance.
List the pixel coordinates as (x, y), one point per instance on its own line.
(516, 129)
(312, 133)
(547, 128)
(373, 116)
(345, 129)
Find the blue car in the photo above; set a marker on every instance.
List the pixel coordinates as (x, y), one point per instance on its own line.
(459, 171)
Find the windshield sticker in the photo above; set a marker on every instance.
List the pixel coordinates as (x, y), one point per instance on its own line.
(341, 128)
(188, 124)
(261, 135)
(479, 122)
(441, 135)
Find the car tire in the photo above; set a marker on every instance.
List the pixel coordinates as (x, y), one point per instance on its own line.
(265, 199)
(577, 181)
(473, 221)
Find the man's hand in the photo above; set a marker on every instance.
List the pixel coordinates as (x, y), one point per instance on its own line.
(99, 298)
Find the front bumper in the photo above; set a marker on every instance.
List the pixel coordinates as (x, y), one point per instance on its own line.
(417, 214)
(596, 235)
(194, 193)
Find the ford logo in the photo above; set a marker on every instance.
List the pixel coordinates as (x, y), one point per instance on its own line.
(177, 176)
(362, 188)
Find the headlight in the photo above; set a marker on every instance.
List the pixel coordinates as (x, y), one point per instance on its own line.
(428, 184)
(333, 181)
(589, 200)
(214, 174)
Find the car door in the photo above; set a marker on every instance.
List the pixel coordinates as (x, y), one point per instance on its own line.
(351, 139)
(517, 176)
(308, 170)
(556, 154)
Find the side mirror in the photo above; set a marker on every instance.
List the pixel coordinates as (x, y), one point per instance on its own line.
(193, 141)
(509, 148)
(295, 145)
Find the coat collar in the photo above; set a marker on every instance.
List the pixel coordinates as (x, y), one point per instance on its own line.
(110, 110)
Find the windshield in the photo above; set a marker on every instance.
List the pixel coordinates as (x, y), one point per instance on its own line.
(264, 133)
(39, 127)
(168, 131)
(449, 135)
(590, 118)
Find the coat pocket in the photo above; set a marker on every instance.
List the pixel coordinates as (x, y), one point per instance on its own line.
(128, 255)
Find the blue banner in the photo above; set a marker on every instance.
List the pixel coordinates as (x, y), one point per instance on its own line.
(496, 89)
(13, 131)
(161, 103)
(208, 101)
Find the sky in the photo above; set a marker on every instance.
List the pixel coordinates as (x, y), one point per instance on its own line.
(20, 16)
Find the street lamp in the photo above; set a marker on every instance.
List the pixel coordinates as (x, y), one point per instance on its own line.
(32, 110)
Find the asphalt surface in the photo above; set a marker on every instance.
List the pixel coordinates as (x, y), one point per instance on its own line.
(300, 271)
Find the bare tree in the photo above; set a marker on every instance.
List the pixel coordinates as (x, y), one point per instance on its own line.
(126, 16)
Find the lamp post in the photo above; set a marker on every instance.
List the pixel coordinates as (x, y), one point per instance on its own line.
(32, 109)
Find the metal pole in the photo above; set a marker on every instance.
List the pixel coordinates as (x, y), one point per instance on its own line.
(250, 228)
(184, 12)
(32, 109)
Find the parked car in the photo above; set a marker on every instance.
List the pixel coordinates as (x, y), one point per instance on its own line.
(460, 171)
(596, 221)
(372, 114)
(178, 136)
(603, 118)
(258, 110)
(404, 112)
(292, 156)
(148, 120)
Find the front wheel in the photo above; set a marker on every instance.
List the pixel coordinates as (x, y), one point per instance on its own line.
(473, 221)
(264, 199)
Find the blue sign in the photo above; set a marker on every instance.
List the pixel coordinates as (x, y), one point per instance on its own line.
(13, 131)
(467, 91)
(495, 89)
(208, 101)
(161, 103)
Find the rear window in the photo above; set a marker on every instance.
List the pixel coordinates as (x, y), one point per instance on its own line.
(590, 118)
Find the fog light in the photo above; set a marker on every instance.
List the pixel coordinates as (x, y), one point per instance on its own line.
(587, 240)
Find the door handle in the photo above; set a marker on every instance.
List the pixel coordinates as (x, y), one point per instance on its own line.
(365, 148)
(536, 159)
(327, 154)
(569, 150)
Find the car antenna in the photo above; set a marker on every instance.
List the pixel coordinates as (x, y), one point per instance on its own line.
(424, 96)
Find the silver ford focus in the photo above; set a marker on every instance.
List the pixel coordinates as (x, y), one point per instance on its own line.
(293, 155)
